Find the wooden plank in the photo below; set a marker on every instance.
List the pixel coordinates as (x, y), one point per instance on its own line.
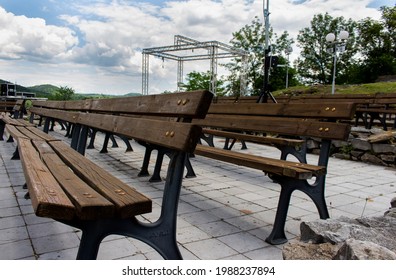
(278, 125)
(89, 204)
(49, 104)
(128, 201)
(181, 104)
(29, 133)
(56, 114)
(14, 132)
(316, 110)
(35, 132)
(47, 196)
(255, 138)
(174, 135)
(273, 166)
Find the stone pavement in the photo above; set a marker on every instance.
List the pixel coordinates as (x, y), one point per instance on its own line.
(226, 212)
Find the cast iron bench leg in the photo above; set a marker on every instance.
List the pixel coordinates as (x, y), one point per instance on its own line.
(300, 154)
(316, 191)
(208, 139)
(146, 161)
(92, 140)
(160, 235)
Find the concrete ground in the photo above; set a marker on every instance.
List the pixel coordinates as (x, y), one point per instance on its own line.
(226, 212)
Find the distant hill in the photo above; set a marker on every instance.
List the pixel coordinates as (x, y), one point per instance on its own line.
(48, 90)
(44, 90)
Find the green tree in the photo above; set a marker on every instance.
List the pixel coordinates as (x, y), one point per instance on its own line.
(377, 40)
(64, 93)
(201, 80)
(251, 38)
(315, 63)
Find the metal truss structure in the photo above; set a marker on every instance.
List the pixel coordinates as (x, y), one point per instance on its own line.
(186, 49)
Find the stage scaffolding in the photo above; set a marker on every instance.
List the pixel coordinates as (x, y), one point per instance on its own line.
(187, 49)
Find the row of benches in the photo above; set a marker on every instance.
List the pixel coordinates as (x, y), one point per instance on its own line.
(370, 107)
(172, 125)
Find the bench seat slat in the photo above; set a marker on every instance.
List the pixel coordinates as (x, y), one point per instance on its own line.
(32, 133)
(88, 203)
(48, 198)
(255, 138)
(128, 201)
(15, 132)
(273, 166)
(41, 134)
(15, 122)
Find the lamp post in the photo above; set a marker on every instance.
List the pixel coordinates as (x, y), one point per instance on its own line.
(337, 45)
(288, 51)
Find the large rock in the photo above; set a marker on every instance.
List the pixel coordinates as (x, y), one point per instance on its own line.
(366, 238)
(354, 249)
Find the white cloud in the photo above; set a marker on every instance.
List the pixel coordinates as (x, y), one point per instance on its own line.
(32, 39)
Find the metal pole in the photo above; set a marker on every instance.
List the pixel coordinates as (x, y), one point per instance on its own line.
(287, 71)
(263, 98)
(334, 69)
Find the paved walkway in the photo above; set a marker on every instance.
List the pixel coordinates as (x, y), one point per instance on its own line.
(226, 212)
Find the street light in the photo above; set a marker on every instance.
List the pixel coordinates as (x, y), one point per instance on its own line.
(338, 45)
(288, 51)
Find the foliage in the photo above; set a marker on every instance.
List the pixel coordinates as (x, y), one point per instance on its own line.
(63, 93)
(377, 41)
(251, 38)
(199, 81)
(315, 63)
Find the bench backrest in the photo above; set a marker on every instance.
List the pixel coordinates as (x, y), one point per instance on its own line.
(192, 104)
(314, 120)
(157, 119)
(7, 106)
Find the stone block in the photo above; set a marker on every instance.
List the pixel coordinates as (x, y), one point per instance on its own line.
(361, 145)
(370, 158)
(383, 148)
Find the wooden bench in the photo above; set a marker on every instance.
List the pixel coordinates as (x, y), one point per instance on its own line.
(6, 119)
(320, 121)
(66, 186)
(6, 106)
(382, 109)
(19, 109)
(287, 145)
(80, 106)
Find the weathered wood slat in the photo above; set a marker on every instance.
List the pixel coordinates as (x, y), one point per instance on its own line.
(89, 204)
(273, 166)
(56, 114)
(317, 110)
(182, 104)
(254, 138)
(15, 132)
(173, 135)
(284, 126)
(16, 122)
(39, 133)
(48, 198)
(128, 201)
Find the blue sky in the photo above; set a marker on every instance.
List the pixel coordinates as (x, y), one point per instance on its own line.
(95, 46)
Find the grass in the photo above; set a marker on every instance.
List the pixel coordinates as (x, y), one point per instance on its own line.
(383, 87)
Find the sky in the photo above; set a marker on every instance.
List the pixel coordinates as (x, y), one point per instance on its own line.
(96, 46)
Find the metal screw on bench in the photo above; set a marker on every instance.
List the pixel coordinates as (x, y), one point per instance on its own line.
(337, 45)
